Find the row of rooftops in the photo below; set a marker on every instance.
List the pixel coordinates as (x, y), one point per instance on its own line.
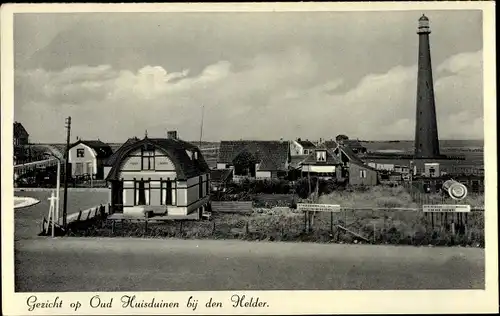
(271, 155)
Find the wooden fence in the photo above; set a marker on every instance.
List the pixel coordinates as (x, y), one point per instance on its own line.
(75, 219)
(232, 206)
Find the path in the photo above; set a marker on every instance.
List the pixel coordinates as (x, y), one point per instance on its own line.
(126, 264)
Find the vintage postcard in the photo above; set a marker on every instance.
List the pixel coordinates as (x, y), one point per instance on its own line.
(257, 158)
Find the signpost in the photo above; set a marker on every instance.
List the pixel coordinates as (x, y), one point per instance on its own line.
(446, 208)
(312, 208)
(306, 207)
(457, 215)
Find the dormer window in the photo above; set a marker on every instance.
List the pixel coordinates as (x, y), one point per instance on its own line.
(321, 155)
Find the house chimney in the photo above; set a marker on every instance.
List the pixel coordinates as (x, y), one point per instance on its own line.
(172, 134)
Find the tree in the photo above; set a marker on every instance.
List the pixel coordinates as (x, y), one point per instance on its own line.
(244, 164)
(341, 138)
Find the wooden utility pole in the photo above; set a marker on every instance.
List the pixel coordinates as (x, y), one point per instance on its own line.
(66, 173)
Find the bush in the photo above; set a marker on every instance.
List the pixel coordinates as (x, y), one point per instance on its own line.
(324, 186)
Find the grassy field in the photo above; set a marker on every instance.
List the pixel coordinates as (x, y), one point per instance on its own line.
(284, 224)
(377, 226)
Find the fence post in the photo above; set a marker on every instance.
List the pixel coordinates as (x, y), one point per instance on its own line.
(112, 227)
(453, 228)
(331, 223)
(246, 228)
(374, 232)
(213, 229)
(465, 227)
(43, 225)
(305, 221)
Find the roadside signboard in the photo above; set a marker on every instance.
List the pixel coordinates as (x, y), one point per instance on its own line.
(446, 208)
(305, 207)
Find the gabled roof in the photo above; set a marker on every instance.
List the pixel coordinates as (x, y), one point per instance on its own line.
(273, 155)
(102, 150)
(331, 159)
(19, 130)
(297, 160)
(220, 175)
(353, 158)
(175, 149)
(351, 155)
(306, 144)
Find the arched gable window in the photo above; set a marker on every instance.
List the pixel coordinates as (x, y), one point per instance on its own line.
(147, 157)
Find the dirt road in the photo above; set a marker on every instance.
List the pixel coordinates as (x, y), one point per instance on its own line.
(125, 264)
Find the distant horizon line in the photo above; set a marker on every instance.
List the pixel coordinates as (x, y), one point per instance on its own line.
(250, 139)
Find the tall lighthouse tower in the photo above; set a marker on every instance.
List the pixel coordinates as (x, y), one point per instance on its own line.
(426, 132)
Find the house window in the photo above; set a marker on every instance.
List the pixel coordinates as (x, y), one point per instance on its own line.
(362, 173)
(148, 160)
(321, 156)
(306, 152)
(80, 153)
(141, 192)
(168, 192)
(432, 172)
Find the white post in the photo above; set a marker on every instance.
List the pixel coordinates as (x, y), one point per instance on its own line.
(58, 188)
(51, 212)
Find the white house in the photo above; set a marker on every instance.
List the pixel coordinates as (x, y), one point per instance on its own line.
(87, 158)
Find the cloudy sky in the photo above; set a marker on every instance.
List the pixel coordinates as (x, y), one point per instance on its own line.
(258, 75)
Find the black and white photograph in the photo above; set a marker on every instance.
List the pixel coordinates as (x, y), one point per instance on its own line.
(164, 151)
